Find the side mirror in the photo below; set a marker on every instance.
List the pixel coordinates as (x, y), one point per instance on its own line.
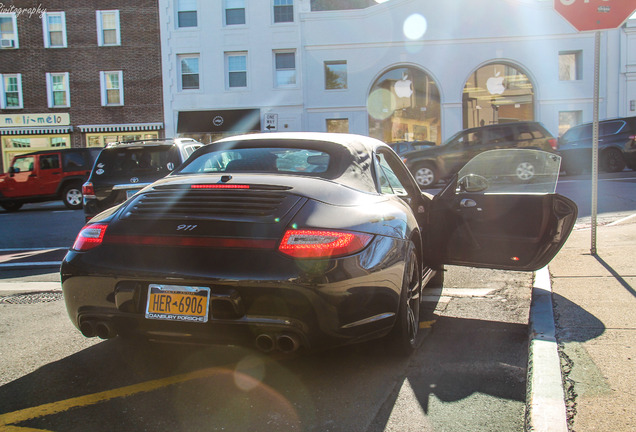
(13, 170)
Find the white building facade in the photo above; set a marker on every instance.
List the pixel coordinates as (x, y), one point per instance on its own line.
(396, 70)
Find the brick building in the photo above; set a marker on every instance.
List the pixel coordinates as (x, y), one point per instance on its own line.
(78, 74)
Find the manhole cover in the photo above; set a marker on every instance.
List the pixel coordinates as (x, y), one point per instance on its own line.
(40, 297)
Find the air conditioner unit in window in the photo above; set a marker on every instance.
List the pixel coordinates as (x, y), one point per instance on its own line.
(7, 43)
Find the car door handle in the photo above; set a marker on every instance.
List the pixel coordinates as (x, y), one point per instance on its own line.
(467, 203)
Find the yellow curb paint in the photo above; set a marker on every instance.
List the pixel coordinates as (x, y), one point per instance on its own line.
(427, 324)
(21, 429)
(92, 399)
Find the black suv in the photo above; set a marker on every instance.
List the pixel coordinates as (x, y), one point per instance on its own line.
(431, 164)
(47, 175)
(616, 146)
(122, 169)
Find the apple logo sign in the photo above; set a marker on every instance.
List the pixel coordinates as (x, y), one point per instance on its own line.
(495, 85)
(403, 88)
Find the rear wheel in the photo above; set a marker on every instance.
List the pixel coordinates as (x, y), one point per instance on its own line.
(11, 206)
(426, 175)
(612, 160)
(72, 196)
(405, 334)
(525, 171)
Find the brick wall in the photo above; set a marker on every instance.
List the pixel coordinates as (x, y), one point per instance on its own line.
(139, 57)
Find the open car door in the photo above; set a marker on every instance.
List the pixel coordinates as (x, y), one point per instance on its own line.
(501, 211)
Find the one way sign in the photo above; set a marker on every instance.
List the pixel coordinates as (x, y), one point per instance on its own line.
(271, 122)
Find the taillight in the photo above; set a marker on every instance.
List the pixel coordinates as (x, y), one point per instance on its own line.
(88, 190)
(90, 237)
(553, 143)
(322, 243)
(219, 186)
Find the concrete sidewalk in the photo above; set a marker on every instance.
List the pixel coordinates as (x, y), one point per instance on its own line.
(595, 314)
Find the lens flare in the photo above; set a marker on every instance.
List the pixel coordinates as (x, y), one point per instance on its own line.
(415, 27)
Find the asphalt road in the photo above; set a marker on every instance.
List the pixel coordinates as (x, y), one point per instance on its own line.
(469, 373)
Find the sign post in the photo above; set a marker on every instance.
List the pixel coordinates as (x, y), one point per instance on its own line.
(595, 15)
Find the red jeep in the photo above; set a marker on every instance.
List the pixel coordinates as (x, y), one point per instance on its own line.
(45, 176)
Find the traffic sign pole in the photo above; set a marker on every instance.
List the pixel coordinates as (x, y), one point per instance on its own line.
(597, 61)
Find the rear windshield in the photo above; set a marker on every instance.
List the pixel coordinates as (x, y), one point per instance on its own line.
(260, 160)
(115, 162)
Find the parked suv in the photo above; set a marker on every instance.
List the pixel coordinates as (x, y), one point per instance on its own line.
(616, 146)
(122, 169)
(46, 176)
(431, 164)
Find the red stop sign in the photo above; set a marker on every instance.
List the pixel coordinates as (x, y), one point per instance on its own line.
(588, 15)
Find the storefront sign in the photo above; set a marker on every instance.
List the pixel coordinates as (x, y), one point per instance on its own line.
(240, 120)
(34, 120)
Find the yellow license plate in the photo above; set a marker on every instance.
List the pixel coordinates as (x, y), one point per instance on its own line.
(178, 303)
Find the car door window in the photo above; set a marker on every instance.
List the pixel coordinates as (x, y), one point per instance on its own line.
(611, 128)
(24, 164)
(49, 162)
(387, 178)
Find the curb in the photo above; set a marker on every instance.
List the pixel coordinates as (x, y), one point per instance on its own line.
(545, 404)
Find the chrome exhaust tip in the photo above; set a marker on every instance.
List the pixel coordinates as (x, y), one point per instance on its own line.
(105, 330)
(265, 343)
(287, 343)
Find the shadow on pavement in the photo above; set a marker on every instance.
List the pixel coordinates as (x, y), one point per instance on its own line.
(618, 277)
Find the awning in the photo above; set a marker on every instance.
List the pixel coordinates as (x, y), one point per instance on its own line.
(120, 127)
(239, 120)
(36, 130)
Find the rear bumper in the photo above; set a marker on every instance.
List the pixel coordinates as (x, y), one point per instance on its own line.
(322, 303)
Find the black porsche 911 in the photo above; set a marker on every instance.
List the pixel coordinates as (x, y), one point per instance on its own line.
(288, 241)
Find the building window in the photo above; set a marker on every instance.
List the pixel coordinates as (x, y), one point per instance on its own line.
(285, 69)
(8, 31)
(338, 125)
(189, 71)
(570, 66)
(283, 11)
(187, 13)
(236, 70)
(335, 75)
(103, 139)
(58, 90)
(234, 12)
(11, 91)
(112, 88)
(108, 28)
(568, 119)
(54, 27)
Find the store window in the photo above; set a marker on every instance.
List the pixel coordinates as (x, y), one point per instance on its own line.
(497, 93)
(187, 13)
(234, 12)
(568, 119)
(283, 11)
(11, 91)
(236, 64)
(16, 145)
(570, 66)
(103, 139)
(8, 31)
(285, 69)
(338, 125)
(112, 88)
(54, 26)
(335, 75)
(108, 28)
(189, 71)
(404, 105)
(58, 94)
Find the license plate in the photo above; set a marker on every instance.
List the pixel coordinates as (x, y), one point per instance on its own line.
(131, 192)
(178, 303)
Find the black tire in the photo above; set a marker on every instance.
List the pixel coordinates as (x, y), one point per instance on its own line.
(612, 160)
(525, 171)
(405, 336)
(11, 206)
(72, 196)
(425, 174)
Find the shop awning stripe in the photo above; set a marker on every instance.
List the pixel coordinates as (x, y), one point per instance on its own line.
(120, 127)
(35, 130)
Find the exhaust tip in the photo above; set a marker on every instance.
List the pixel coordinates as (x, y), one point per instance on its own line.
(88, 329)
(287, 343)
(105, 330)
(265, 343)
